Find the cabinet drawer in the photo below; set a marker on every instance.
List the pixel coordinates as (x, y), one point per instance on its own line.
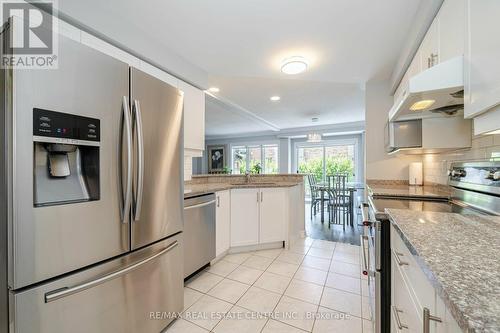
(404, 312)
(418, 284)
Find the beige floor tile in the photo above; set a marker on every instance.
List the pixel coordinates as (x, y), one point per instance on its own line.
(341, 301)
(365, 308)
(305, 291)
(323, 244)
(241, 321)
(315, 262)
(207, 312)
(291, 257)
(245, 274)
(257, 262)
(300, 248)
(329, 321)
(283, 268)
(190, 297)
(346, 257)
(304, 241)
(348, 248)
(272, 253)
(344, 268)
(367, 326)
(237, 258)
(183, 326)
(344, 282)
(274, 326)
(273, 282)
(296, 313)
(260, 300)
(311, 275)
(320, 253)
(222, 268)
(229, 290)
(204, 281)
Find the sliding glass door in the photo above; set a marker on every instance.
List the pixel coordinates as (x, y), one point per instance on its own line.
(326, 158)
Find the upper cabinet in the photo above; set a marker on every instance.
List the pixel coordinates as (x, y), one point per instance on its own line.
(194, 118)
(482, 54)
(429, 49)
(451, 29)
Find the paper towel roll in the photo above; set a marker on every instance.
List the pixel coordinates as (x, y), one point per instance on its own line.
(416, 170)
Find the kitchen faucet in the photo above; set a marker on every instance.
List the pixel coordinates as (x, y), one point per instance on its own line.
(247, 176)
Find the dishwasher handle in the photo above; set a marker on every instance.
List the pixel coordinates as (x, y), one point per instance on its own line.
(203, 204)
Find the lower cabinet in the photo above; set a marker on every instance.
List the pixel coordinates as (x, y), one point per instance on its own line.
(245, 216)
(415, 304)
(258, 215)
(223, 222)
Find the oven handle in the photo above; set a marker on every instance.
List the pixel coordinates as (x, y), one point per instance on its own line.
(366, 271)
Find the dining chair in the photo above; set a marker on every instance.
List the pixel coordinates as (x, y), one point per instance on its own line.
(315, 195)
(339, 205)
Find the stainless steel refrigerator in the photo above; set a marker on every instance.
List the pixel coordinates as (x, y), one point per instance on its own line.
(91, 196)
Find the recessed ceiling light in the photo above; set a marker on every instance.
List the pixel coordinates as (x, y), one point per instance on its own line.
(294, 65)
(275, 98)
(421, 105)
(214, 89)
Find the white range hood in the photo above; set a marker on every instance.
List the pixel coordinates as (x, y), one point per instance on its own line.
(443, 84)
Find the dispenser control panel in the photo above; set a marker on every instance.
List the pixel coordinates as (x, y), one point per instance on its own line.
(65, 126)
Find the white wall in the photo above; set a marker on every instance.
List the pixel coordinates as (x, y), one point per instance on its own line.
(380, 165)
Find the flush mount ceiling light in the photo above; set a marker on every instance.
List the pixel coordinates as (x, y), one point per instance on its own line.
(314, 137)
(422, 105)
(275, 98)
(294, 65)
(213, 89)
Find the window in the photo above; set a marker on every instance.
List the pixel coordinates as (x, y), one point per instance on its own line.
(255, 159)
(326, 159)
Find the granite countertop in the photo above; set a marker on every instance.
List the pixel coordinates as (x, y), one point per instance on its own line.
(410, 191)
(191, 190)
(460, 256)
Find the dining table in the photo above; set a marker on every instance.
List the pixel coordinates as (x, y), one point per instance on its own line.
(351, 187)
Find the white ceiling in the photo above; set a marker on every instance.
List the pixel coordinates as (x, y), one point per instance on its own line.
(241, 44)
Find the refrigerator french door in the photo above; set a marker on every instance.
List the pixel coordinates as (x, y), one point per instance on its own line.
(91, 196)
(157, 205)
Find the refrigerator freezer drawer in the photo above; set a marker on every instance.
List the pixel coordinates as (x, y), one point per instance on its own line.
(134, 293)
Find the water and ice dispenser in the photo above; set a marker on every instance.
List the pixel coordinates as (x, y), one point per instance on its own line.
(66, 158)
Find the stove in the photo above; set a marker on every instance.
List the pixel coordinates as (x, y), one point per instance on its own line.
(475, 190)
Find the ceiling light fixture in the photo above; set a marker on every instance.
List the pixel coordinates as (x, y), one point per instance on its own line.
(213, 89)
(275, 98)
(314, 137)
(294, 65)
(421, 105)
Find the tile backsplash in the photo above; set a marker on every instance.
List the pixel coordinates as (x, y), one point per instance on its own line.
(484, 147)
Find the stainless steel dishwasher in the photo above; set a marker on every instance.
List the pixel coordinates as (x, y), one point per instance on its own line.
(199, 232)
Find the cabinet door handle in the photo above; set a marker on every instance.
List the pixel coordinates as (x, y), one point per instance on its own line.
(427, 320)
(396, 312)
(218, 201)
(429, 62)
(257, 196)
(398, 260)
(261, 196)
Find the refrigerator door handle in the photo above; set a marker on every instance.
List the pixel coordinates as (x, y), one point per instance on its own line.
(68, 291)
(128, 187)
(136, 109)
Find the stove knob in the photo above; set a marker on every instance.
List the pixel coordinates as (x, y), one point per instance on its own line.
(458, 173)
(496, 175)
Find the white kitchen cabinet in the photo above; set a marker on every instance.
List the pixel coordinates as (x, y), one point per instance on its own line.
(482, 51)
(194, 117)
(222, 222)
(412, 294)
(429, 49)
(451, 29)
(245, 216)
(273, 213)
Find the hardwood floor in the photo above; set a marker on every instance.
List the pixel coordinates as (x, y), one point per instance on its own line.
(317, 230)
